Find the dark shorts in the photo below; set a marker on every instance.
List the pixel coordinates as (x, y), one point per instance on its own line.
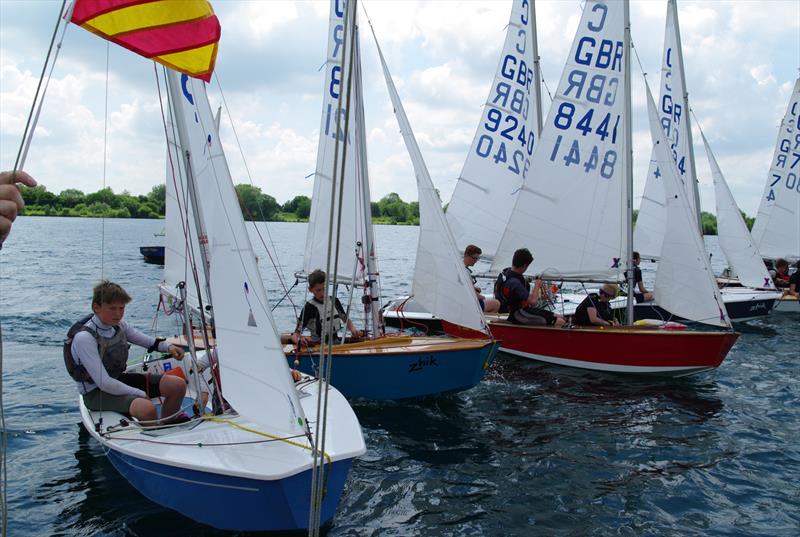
(533, 317)
(482, 303)
(639, 297)
(98, 400)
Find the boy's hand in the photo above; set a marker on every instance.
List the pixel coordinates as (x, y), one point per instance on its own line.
(176, 352)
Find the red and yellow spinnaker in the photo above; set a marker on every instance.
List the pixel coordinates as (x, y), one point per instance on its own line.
(181, 34)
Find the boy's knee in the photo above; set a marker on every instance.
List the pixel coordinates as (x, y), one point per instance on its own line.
(142, 409)
(171, 385)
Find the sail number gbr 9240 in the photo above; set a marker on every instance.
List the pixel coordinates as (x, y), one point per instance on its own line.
(586, 116)
(506, 135)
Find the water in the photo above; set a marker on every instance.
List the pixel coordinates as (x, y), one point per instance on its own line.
(533, 450)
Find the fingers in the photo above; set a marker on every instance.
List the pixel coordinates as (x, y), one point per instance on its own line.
(9, 178)
(8, 212)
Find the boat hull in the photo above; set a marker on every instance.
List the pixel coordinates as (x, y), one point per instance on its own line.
(231, 502)
(152, 254)
(405, 368)
(738, 310)
(643, 351)
(787, 304)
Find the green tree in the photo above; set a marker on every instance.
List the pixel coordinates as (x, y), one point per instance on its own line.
(255, 204)
(748, 221)
(104, 196)
(39, 195)
(71, 197)
(709, 223)
(157, 197)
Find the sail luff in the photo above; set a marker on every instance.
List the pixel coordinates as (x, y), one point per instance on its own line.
(628, 173)
(537, 70)
(441, 284)
(734, 237)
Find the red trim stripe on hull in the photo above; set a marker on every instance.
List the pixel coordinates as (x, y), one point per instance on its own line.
(622, 350)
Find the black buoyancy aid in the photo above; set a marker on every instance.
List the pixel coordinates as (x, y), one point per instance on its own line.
(113, 351)
(500, 290)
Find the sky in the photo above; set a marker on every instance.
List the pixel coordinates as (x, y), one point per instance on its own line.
(741, 57)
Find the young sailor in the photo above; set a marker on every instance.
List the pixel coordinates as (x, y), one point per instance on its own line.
(96, 355)
(640, 293)
(781, 274)
(472, 255)
(518, 299)
(311, 317)
(595, 309)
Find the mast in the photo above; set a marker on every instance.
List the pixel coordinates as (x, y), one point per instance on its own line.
(175, 92)
(371, 294)
(694, 192)
(628, 162)
(537, 73)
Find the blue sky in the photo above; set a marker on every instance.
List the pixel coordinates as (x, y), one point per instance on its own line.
(742, 58)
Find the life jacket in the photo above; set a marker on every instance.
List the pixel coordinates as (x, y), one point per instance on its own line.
(338, 322)
(501, 291)
(113, 351)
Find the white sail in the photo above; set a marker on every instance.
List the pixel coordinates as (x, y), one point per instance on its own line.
(674, 119)
(570, 213)
(181, 249)
(255, 375)
(685, 284)
(487, 187)
(734, 237)
(331, 150)
(777, 226)
(441, 282)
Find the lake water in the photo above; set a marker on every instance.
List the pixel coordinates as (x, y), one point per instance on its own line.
(533, 450)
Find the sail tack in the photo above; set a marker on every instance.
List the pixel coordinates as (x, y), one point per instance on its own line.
(777, 226)
(734, 237)
(499, 158)
(182, 35)
(255, 375)
(569, 214)
(685, 284)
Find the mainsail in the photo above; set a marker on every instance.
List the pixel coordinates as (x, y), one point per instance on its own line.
(570, 213)
(499, 159)
(254, 371)
(332, 149)
(685, 284)
(777, 226)
(674, 119)
(441, 282)
(734, 237)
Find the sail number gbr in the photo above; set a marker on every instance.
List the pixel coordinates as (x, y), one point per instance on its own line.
(790, 156)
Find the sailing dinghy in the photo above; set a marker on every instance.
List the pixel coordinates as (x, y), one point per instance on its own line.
(758, 296)
(251, 467)
(573, 213)
(383, 367)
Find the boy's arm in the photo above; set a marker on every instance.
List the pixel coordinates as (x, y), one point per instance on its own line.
(84, 352)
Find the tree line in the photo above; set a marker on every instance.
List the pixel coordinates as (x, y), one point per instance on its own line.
(255, 205)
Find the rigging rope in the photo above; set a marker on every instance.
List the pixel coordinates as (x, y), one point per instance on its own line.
(27, 137)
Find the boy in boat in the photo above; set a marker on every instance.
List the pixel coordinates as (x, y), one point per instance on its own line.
(595, 309)
(517, 298)
(642, 295)
(472, 255)
(781, 274)
(96, 355)
(312, 314)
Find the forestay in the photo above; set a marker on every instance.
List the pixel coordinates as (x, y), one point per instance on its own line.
(332, 149)
(255, 375)
(734, 237)
(685, 284)
(441, 282)
(570, 212)
(500, 156)
(777, 226)
(674, 119)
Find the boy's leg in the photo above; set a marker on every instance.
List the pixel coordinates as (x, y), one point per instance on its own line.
(172, 389)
